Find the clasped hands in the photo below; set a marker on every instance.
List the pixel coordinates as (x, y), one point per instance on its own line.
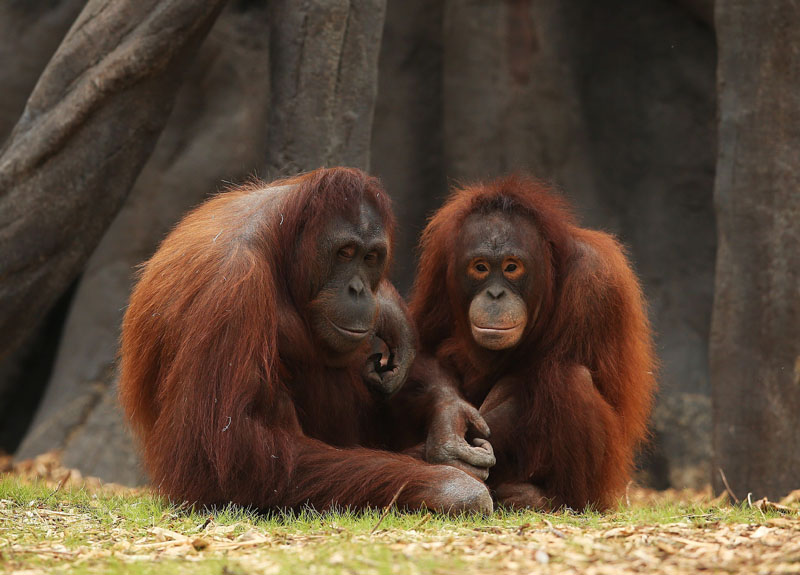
(453, 421)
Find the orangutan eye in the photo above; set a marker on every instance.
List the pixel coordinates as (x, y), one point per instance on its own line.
(371, 258)
(347, 252)
(513, 269)
(478, 269)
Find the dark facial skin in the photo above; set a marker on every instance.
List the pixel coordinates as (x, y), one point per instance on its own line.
(500, 263)
(344, 311)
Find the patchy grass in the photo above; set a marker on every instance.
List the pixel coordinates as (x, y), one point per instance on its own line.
(75, 531)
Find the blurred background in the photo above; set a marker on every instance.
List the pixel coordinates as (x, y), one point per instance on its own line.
(674, 124)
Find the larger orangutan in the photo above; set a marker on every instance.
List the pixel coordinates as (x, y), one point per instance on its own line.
(537, 328)
(247, 368)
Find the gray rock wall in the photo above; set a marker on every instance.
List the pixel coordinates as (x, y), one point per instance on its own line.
(755, 338)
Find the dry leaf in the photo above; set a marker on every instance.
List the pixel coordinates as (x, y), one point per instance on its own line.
(199, 544)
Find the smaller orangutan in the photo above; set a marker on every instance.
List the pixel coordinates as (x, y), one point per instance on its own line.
(533, 333)
(260, 345)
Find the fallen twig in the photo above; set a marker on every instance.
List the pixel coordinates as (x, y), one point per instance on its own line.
(728, 487)
(388, 508)
(60, 483)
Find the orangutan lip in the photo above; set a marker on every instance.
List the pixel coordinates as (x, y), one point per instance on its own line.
(481, 328)
(352, 333)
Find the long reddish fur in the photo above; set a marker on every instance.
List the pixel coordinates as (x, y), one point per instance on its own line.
(593, 314)
(220, 378)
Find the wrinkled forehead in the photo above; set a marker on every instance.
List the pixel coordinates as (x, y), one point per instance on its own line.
(364, 223)
(497, 233)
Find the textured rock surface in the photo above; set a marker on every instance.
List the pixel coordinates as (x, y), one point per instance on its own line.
(755, 338)
(324, 58)
(30, 31)
(407, 133)
(74, 151)
(78, 133)
(220, 113)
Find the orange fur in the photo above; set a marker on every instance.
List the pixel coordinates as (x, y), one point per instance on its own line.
(220, 377)
(575, 441)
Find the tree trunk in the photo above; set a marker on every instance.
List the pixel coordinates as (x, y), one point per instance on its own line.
(30, 32)
(324, 58)
(87, 129)
(755, 338)
(220, 111)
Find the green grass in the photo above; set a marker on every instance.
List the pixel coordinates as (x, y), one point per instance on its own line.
(73, 531)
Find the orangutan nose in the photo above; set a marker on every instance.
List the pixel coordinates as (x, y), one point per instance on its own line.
(496, 292)
(356, 288)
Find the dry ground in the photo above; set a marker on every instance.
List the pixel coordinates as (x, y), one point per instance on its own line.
(85, 527)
